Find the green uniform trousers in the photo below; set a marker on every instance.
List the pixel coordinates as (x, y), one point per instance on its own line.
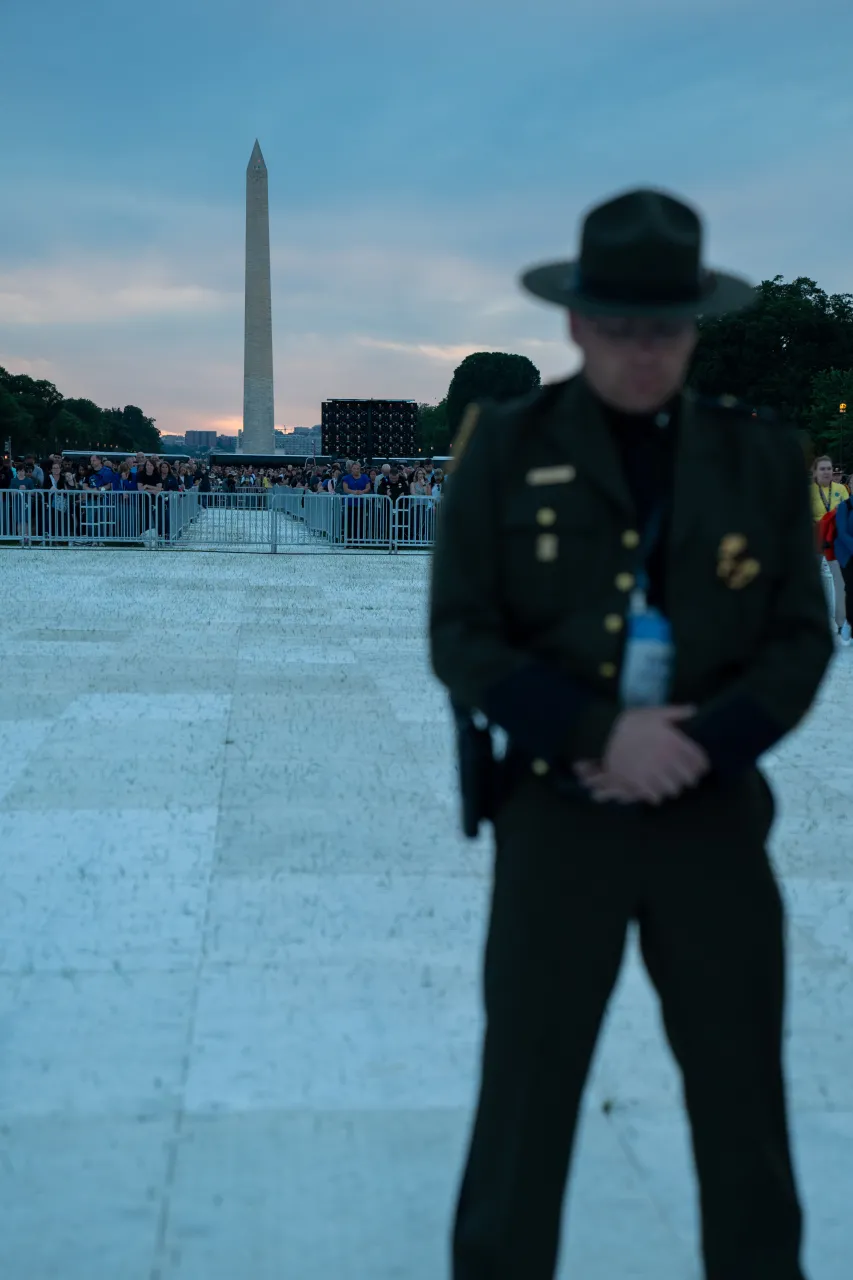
(570, 876)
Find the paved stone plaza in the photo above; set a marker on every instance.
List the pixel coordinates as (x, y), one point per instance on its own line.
(241, 935)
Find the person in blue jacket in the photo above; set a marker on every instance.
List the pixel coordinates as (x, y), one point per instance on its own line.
(128, 510)
(102, 476)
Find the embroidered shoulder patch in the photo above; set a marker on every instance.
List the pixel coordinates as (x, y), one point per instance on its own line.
(470, 418)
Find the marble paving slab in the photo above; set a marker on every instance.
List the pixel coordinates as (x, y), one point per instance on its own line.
(241, 943)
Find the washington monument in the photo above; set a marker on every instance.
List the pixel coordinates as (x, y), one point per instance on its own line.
(258, 400)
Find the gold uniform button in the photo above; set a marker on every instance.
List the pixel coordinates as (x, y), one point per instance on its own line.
(546, 516)
(540, 768)
(613, 623)
(630, 539)
(625, 581)
(608, 670)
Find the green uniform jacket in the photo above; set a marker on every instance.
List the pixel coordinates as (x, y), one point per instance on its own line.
(535, 558)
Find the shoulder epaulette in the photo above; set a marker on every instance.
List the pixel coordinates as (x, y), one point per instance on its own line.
(467, 427)
(534, 402)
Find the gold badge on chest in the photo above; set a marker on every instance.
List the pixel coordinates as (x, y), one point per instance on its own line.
(734, 566)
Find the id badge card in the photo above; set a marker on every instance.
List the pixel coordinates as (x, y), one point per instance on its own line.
(648, 660)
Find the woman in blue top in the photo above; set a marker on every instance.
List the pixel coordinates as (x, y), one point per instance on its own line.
(356, 486)
(124, 481)
(129, 508)
(356, 482)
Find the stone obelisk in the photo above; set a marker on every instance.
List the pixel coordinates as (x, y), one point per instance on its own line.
(258, 400)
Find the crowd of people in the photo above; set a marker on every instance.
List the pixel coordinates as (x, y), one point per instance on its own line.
(146, 474)
(71, 516)
(61, 478)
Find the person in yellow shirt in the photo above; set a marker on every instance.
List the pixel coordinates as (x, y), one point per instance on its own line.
(826, 492)
(826, 495)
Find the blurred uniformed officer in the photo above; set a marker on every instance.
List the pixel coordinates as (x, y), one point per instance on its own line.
(614, 590)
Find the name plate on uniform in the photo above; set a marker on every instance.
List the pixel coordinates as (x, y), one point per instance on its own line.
(551, 475)
(648, 660)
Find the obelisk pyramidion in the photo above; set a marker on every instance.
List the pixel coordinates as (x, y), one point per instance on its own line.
(258, 401)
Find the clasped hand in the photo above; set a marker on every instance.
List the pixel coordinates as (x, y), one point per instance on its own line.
(647, 758)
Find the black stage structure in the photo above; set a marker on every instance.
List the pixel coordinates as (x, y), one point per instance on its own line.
(369, 429)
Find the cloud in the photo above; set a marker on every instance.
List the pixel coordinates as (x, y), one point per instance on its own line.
(35, 368)
(445, 354)
(95, 289)
(455, 354)
(227, 426)
(377, 300)
(365, 273)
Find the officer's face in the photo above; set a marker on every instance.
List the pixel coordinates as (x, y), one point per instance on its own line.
(634, 363)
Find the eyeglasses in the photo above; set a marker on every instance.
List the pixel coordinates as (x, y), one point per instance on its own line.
(640, 328)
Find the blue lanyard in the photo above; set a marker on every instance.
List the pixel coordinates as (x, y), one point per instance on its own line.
(648, 542)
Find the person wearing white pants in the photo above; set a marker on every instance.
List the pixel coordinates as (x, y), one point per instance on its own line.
(826, 495)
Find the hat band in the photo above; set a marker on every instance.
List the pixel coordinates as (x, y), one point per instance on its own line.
(658, 293)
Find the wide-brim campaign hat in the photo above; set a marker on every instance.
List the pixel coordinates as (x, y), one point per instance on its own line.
(641, 254)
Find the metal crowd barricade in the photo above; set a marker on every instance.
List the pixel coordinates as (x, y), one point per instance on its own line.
(289, 502)
(337, 520)
(11, 515)
(414, 523)
(322, 513)
(99, 518)
(82, 517)
(270, 519)
(366, 521)
(232, 521)
(175, 514)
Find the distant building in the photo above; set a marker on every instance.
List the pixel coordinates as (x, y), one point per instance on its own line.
(200, 439)
(226, 444)
(298, 439)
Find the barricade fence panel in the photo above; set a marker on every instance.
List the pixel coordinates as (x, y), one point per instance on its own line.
(366, 521)
(11, 515)
(414, 523)
(77, 518)
(269, 519)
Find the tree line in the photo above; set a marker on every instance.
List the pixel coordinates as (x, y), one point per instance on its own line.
(38, 419)
(792, 352)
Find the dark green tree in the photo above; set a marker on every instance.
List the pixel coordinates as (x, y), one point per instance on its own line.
(37, 400)
(143, 433)
(488, 375)
(770, 353)
(34, 414)
(68, 432)
(87, 412)
(433, 432)
(829, 419)
(23, 386)
(15, 423)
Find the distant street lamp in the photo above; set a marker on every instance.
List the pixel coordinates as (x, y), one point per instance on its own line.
(842, 409)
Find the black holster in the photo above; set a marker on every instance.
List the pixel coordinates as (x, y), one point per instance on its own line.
(478, 771)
